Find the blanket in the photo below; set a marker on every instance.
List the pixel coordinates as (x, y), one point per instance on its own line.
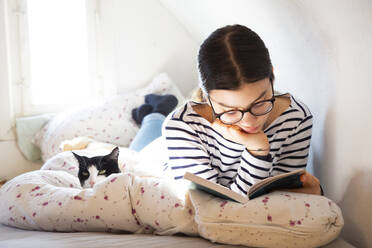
(141, 200)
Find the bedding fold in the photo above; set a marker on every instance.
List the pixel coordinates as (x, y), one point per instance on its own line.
(138, 201)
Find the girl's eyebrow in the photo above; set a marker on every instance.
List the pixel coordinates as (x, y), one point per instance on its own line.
(227, 106)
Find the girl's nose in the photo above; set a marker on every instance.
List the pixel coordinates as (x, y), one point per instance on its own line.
(248, 120)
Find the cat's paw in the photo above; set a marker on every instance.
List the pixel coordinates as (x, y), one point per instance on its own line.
(78, 143)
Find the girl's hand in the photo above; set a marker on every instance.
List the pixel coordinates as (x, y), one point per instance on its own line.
(310, 183)
(256, 143)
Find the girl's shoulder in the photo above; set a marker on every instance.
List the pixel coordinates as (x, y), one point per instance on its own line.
(298, 106)
(295, 112)
(190, 111)
(186, 116)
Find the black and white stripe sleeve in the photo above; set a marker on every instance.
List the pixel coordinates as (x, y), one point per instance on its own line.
(186, 151)
(295, 151)
(251, 170)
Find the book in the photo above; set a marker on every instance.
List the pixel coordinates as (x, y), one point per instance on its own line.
(287, 180)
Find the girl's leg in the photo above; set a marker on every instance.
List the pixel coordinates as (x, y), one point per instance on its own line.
(150, 130)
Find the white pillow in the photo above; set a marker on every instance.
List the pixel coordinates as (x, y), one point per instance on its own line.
(110, 122)
(278, 219)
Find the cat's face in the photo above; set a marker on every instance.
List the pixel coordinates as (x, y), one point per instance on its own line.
(96, 169)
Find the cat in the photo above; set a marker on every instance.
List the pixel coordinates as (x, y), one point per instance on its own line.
(95, 169)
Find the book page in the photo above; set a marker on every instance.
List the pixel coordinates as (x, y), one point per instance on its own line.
(215, 187)
(269, 180)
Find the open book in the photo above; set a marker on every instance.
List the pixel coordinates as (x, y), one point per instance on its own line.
(283, 181)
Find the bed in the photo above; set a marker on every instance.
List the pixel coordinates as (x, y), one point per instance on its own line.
(141, 200)
(12, 237)
(112, 114)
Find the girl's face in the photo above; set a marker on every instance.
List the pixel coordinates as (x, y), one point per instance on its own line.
(242, 99)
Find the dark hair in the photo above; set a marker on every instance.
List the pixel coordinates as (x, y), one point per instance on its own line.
(233, 55)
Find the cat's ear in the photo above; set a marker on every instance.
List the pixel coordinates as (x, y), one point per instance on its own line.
(114, 154)
(79, 158)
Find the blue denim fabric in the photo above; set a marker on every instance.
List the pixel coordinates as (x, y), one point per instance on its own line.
(150, 129)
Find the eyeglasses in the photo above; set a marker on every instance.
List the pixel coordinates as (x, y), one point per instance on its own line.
(257, 109)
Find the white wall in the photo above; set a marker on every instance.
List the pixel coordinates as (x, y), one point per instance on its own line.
(321, 51)
(141, 39)
(12, 163)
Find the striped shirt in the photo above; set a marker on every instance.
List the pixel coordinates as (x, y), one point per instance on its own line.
(194, 146)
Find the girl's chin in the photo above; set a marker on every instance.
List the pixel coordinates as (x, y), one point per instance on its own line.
(250, 130)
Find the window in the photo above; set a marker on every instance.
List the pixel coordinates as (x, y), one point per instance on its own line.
(57, 55)
(58, 52)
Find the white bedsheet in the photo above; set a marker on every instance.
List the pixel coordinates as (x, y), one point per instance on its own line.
(12, 237)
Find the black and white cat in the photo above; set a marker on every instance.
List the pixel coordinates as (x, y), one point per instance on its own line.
(96, 169)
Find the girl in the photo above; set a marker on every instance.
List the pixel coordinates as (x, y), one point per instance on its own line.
(238, 131)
